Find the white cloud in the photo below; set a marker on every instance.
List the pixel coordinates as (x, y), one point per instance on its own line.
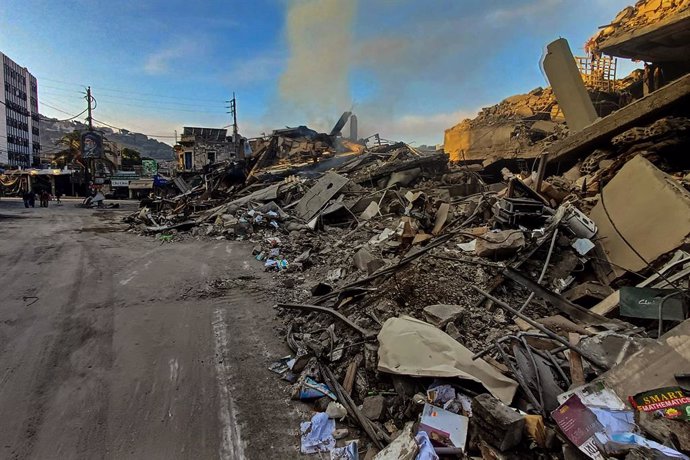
(159, 62)
(257, 69)
(521, 9)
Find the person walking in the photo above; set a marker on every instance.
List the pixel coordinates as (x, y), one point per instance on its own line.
(32, 198)
(26, 196)
(58, 194)
(45, 198)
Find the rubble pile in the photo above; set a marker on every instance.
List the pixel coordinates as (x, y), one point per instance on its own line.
(521, 125)
(434, 309)
(291, 146)
(643, 13)
(662, 143)
(427, 309)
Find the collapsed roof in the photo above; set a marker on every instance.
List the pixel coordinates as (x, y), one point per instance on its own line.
(652, 30)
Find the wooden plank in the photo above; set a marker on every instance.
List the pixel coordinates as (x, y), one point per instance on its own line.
(577, 373)
(640, 112)
(607, 305)
(351, 373)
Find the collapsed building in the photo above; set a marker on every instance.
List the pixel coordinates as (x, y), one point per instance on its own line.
(199, 147)
(472, 303)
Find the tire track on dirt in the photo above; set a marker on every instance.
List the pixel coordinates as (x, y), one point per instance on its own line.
(49, 367)
(249, 318)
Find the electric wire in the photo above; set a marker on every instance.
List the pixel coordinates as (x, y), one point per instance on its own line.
(123, 129)
(625, 240)
(67, 119)
(59, 110)
(124, 91)
(543, 270)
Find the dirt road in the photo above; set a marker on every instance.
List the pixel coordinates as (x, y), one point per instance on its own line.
(110, 347)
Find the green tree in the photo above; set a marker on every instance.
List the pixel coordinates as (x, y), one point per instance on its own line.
(130, 157)
(70, 152)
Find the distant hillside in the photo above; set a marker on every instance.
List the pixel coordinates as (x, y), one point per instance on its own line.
(52, 130)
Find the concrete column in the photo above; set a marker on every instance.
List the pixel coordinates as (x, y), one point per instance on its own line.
(566, 81)
(353, 127)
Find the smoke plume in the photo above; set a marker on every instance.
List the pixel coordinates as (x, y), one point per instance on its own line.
(315, 83)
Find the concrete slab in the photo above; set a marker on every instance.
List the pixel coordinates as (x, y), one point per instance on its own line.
(640, 112)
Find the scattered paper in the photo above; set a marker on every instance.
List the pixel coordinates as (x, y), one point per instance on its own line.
(444, 427)
(580, 425)
(317, 434)
(426, 449)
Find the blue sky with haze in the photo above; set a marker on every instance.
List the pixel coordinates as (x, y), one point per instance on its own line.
(408, 68)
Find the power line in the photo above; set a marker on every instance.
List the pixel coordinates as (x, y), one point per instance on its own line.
(101, 122)
(68, 119)
(100, 89)
(59, 110)
(124, 91)
(62, 97)
(80, 85)
(164, 108)
(61, 89)
(118, 128)
(144, 103)
(107, 97)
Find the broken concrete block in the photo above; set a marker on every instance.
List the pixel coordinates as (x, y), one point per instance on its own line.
(544, 126)
(499, 425)
(373, 407)
(375, 265)
(403, 447)
(340, 433)
(403, 177)
(500, 245)
(453, 331)
(568, 86)
(361, 259)
(441, 314)
(321, 193)
(336, 410)
(371, 211)
(663, 202)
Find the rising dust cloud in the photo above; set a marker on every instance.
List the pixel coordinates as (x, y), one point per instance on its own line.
(315, 83)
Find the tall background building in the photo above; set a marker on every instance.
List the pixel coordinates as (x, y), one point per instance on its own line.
(19, 119)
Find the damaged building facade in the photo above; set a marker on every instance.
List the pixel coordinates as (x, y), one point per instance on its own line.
(199, 147)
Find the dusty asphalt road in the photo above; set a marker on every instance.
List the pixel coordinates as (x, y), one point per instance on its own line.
(107, 350)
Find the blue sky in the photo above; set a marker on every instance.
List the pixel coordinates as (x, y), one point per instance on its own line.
(408, 68)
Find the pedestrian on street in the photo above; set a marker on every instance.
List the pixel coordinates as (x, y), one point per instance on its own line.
(58, 194)
(26, 196)
(32, 198)
(45, 198)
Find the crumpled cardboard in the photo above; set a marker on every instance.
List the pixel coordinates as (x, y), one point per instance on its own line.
(415, 348)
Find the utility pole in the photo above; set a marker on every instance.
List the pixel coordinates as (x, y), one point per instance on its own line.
(233, 112)
(90, 163)
(88, 100)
